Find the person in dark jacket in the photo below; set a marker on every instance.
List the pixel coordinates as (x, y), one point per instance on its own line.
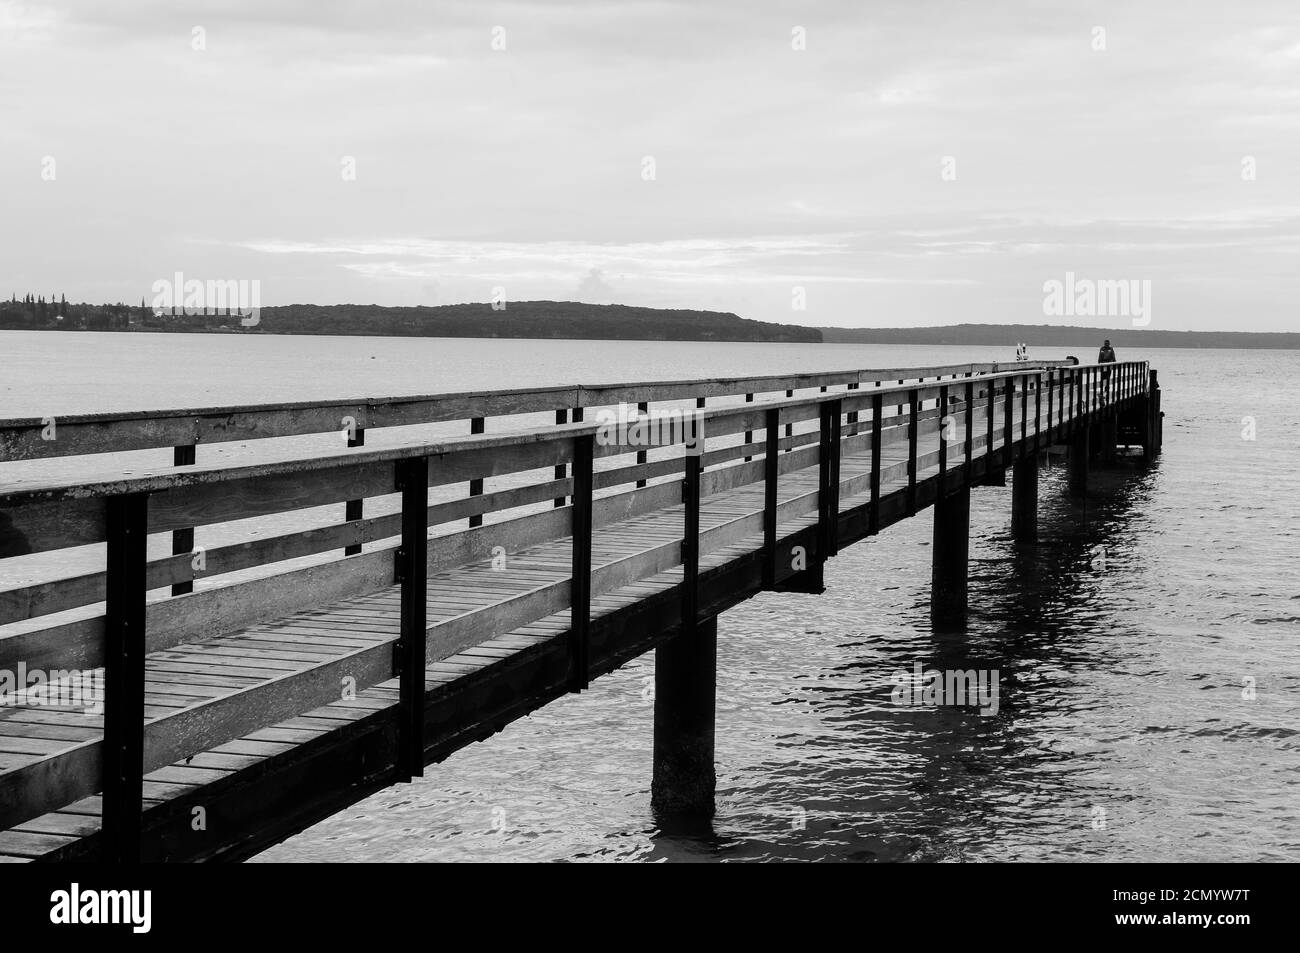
(1105, 356)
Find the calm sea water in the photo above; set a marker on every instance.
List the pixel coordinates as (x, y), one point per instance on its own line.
(1125, 729)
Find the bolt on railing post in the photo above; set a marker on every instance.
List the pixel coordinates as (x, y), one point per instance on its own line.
(127, 531)
(580, 575)
(412, 481)
(771, 476)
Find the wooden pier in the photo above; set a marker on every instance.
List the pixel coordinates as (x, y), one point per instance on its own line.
(202, 703)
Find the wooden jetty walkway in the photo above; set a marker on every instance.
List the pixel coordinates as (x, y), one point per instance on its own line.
(471, 579)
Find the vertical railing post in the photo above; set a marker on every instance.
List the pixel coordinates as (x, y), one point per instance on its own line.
(642, 456)
(561, 471)
(877, 413)
(989, 412)
(699, 405)
(1008, 416)
(183, 539)
(749, 434)
(789, 428)
(970, 425)
(580, 576)
(412, 480)
(353, 509)
(913, 434)
(127, 526)
(476, 425)
(771, 476)
(943, 435)
(1024, 414)
(853, 414)
(1038, 411)
(690, 595)
(828, 496)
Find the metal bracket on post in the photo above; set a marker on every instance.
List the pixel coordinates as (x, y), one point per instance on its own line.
(580, 577)
(127, 525)
(412, 479)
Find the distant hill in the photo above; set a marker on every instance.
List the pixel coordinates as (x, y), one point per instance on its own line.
(529, 319)
(519, 319)
(1050, 335)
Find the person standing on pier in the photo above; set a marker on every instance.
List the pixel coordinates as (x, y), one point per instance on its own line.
(1105, 356)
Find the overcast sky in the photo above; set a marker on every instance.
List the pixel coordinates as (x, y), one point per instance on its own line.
(774, 168)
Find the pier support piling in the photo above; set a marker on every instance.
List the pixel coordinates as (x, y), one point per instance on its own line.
(1024, 500)
(948, 577)
(685, 693)
(1079, 461)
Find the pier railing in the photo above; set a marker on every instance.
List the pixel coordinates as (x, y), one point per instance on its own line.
(106, 618)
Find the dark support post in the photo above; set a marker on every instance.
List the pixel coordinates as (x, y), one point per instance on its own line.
(828, 492)
(642, 409)
(853, 414)
(1079, 460)
(948, 580)
(988, 450)
(183, 539)
(1051, 385)
(561, 417)
(789, 428)
(877, 412)
(913, 411)
(580, 575)
(409, 652)
(1038, 411)
(1008, 418)
(683, 781)
(476, 486)
(690, 594)
(771, 474)
(1155, 418)
(1024, 499)
(127, 526)
(352, 509)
